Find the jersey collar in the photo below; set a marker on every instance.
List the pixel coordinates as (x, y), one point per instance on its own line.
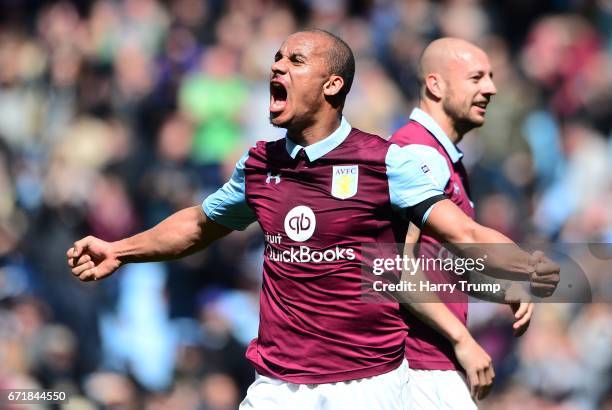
(432, 126)
(320, 148)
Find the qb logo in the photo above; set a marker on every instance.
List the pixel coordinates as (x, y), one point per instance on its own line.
(300, 223)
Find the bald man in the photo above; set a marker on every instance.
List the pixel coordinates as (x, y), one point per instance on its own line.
(456, 87)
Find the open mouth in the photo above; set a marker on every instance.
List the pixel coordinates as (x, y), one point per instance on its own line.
(481, 106)
(278, 97)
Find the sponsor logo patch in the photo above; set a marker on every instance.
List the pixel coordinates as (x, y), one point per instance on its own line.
(300, 223)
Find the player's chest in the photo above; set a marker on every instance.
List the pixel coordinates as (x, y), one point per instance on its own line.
(321, 201)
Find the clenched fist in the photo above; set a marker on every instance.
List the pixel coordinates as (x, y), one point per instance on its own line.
(91, 259)
(544, 274)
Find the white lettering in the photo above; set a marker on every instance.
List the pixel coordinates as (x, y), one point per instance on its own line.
(427, 286)
(479, 287)
(401, 286)
(305, 254)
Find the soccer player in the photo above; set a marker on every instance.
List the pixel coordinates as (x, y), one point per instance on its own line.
(456, 86)
(318, 195)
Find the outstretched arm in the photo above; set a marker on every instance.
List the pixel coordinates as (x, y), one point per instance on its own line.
(449, 225)
(181, 234)
(417, 177)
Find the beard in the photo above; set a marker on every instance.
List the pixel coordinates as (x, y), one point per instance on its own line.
(460, 116)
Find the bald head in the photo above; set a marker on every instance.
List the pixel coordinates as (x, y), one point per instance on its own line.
(446, 54)
(456, 84)
(339, 57)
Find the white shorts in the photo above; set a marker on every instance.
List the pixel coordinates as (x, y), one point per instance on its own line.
(438, 389)
(387, 391)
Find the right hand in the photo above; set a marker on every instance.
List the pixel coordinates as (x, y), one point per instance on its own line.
(477, 364)
(544, 274)
(91, 259)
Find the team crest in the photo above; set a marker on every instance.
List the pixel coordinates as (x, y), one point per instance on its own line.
(344, 181)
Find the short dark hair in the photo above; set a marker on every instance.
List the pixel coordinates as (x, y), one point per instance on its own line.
(340, 60)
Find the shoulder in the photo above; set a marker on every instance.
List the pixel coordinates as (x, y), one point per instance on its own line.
(363, 145)
(416, 152)
(266, 151)
(417, 159)
(413, 133)
(267, 147)
(367, 138)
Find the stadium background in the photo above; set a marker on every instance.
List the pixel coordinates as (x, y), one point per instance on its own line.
(114, 114)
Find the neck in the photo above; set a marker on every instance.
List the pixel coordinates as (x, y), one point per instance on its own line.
(312, 133)
(444, 121)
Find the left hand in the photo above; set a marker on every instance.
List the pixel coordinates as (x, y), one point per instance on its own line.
(522, 317)
(522, 307)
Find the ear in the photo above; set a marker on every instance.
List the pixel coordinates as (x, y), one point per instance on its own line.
(333, 85)
(435, 85)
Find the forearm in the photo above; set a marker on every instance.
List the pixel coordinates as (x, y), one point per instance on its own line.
(504, 256)
(504, 259)
(428, 307)
(468, 239)
(485, 283)
(440, 318)
(178, 235)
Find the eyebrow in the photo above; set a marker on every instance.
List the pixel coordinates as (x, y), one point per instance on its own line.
(479, 72)
(293, 55)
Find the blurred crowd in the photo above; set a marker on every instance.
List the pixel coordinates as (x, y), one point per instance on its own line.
(114, 114)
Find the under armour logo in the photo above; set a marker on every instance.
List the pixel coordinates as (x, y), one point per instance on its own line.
(276, 178)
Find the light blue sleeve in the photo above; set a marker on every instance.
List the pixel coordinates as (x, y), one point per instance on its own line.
(227, 206)
(415, 173)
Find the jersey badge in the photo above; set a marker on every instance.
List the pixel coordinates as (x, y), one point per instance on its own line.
(345, 179)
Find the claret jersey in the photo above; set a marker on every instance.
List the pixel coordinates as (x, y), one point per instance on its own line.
(316, 206)
(425, 348)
